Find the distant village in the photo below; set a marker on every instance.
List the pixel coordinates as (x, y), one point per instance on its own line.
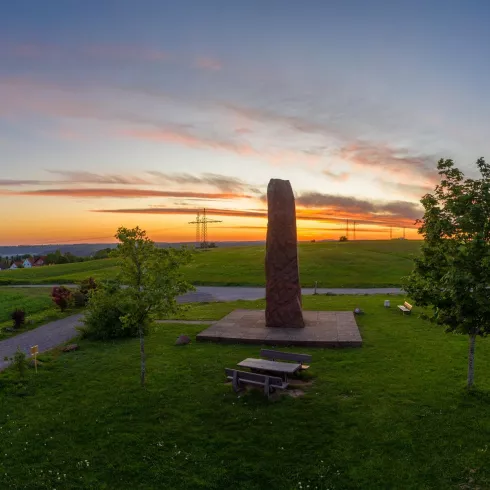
(28, 261)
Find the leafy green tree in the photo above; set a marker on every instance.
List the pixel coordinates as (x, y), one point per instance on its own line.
(152, 280)
(452, 274)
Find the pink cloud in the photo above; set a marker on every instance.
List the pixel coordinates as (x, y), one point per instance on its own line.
(211, 64)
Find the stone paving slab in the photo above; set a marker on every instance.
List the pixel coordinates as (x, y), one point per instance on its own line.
(322, 329)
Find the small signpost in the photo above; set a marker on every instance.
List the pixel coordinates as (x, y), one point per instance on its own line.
(34, 352)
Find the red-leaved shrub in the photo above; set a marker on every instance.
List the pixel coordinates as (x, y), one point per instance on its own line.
(61, 297)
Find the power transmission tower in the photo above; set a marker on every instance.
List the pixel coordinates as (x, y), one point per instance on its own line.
(354, 234)
(391, 232)
(347, 229)
(404, 233)
(201, 223)
(198, 228)
(205, 221)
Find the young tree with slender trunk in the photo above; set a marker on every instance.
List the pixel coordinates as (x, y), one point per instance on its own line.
(452, 274)
(150, 279)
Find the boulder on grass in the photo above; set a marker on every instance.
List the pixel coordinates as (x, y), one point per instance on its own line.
(183, 340)
(70, 347)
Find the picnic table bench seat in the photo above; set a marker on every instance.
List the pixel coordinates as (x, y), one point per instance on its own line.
(286, 356)
(270, 383)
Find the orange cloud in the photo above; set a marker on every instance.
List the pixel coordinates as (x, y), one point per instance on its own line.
(124, 193)
(332, 215)
(211, 64)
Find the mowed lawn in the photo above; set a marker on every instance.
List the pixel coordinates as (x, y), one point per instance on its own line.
(392, 414)
(37, 304)
(331, 264)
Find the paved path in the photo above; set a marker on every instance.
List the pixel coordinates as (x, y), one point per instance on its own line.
(222, 293)
(205, 294)
(46, 337)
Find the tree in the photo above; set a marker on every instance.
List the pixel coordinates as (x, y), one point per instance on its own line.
(343, 238)
(152, 279)
(452, 274)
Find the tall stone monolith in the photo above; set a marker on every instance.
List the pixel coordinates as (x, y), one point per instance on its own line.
(283, 290)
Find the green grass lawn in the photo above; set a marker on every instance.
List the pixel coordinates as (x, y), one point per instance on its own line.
(392, 414)
(332, 264)
(37, 304)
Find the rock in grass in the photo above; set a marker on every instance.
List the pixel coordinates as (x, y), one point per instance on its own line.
(183, 340)
(70, 347)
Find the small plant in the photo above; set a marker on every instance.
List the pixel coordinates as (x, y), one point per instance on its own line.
(19, 362)
(19, 318)
(61, 296)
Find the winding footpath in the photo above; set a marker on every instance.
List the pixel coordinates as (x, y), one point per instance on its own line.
(46, 337)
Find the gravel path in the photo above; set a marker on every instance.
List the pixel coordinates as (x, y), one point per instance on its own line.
(46, 337)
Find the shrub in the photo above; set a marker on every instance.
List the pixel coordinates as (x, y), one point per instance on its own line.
(107, 315)
(79, 299)
(19, 317)
(61, 297)
(84, 290)
(88, 285)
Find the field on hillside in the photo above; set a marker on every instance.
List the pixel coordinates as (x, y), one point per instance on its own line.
(60, 274)
(332, 264)
(392, 414)
(37, 304)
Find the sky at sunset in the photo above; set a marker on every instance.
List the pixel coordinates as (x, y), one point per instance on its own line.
(142, 112)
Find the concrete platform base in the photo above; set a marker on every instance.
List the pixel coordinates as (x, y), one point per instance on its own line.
(323, 329)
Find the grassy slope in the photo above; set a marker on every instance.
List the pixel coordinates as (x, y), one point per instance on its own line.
(63, 274)
(332, 264)
(390, 415)
(37, 304)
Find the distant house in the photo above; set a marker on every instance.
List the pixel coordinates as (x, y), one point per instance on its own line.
(17, 264)
(4, 266)
(28, 263)
(39, 262)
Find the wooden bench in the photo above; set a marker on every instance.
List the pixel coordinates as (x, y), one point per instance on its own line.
(286, 356)
(270, 383)
(405, 308)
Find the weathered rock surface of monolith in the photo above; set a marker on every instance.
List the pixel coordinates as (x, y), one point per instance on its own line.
(283, 290)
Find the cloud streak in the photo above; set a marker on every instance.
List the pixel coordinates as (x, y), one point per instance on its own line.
(124, 193)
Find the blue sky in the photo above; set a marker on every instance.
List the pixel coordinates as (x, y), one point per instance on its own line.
(353, 101)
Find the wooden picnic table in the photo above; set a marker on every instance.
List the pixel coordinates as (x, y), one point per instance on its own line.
(283, 368)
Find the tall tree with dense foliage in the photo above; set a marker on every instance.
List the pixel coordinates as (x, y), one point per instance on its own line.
(152, 280)
(452, 274)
